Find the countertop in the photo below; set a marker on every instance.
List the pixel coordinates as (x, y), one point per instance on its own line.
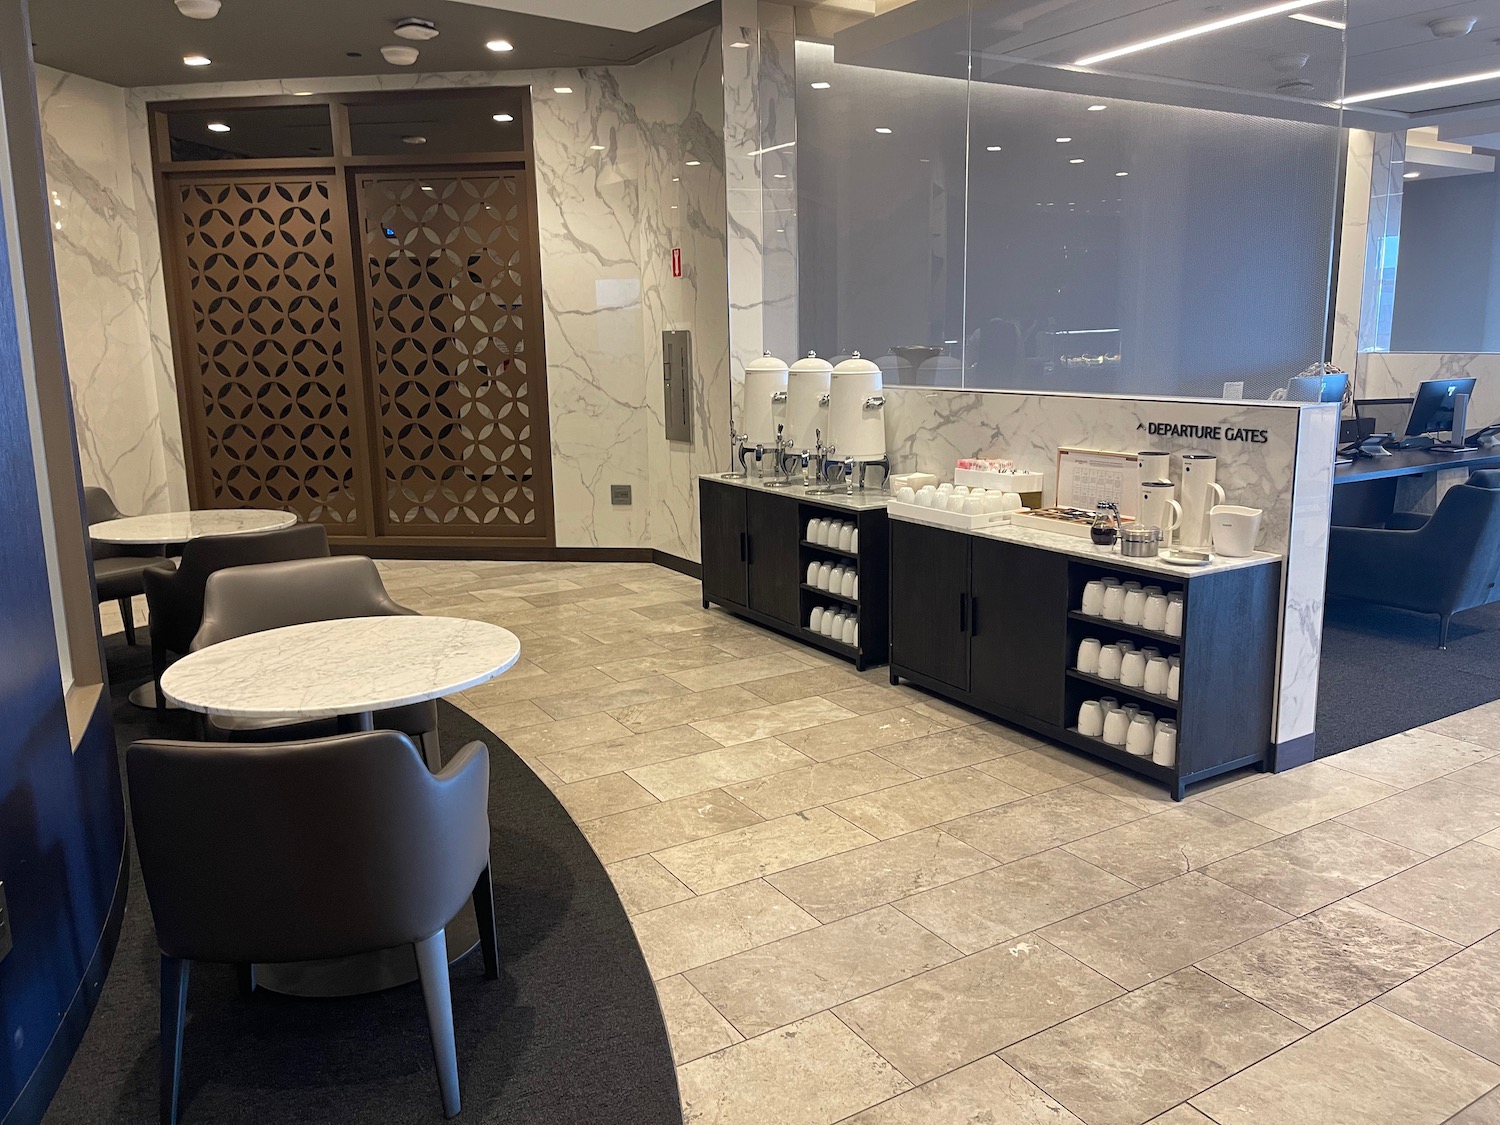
(857, 501)
(1414, 462)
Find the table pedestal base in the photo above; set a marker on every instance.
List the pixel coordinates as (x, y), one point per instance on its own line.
(144, 697)
(368, 972)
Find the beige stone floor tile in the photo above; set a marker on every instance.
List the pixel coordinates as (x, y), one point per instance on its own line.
(1324, 965)
(666, 824)
(953, 748)
(1410, 758)
(718, 768)
(548, 778)
(1457, 894)
(502, 717)
(571, 597)
(1181, 1115)
(1129, 1060)
(817, 783)
(544, 739)
(643, 884)
(673, 659)
(875, 731)
(533, 682)
(694, 1029)
(1368, 1068)
(1040, 823)
(683, 607)
(1300, 798)
(740, 671)
(1485, 1111)
(618, 695)
(1459, 999)
(925, 802)
(682, 709)
(1480, 725)
(743, 642)
(800, 682)
(962, 1011)
(1042, 769)
(782, 720)
(867, 698)
(883, 872)
(1146, 795)
(761, 849)
(1430, 818)
(578, 650)
(1314, 867)
(601, 796)
(986, 1092)
(1161, 929)
(621, 752)
(815, 1072)
(710, 927)
(996, 905)
(772, 985)
(1482, 775)
(956, 715)
(1161, 847)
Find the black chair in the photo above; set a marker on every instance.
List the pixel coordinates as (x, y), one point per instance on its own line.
(1443, 564)
(252, 599)
(300, 851)
(118, 569)
(175, 598)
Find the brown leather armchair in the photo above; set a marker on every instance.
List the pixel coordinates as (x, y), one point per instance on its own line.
(118, 569)
(252, 599)
(300, 851)
(175, 598)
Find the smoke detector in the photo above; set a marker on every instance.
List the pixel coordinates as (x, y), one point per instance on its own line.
(198, 9)
(413, 28)
(399, 54)
(1450, 27)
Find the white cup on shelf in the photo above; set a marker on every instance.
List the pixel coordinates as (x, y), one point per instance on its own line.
(1093, 599)
(1164, 744)
(1088, 656)
(1175, 611)
(1110, 660)
(1174, 678)
(1133, 669)
(1158, 671)
(854, 542)
(847, 587)
(906, 494)
(825, 575)
(849, 627)
(1091, 718)
(1140, 736)
(855, 594)
(1116, 727)
(1134, 611)
(818, 532)
(846, 536)
(1114, 602)
(816, 622)
(812, 531)
(812, 574)
(1155, 617)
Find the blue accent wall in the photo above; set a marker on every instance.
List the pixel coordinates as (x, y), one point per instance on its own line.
(62, 829)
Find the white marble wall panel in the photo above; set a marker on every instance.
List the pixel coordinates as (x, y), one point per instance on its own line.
(104, 293)
(1352, 247)
(1396, 375)
(1304, 573)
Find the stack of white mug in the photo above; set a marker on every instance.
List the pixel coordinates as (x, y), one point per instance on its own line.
(1132, 604)
(1133, 729)
(1145, 669)
(836, 624)
(838, 534)
(960, 498)
(836, 578)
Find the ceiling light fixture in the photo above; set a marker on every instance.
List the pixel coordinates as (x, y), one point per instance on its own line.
(881, 129)
(1122, 173)
(196, 60)
(694, 163)
(992, 148)
(1063, 140)
(503, 118)
(1076, 160)
(413, 28)
(1411, 175)
(562, 89)
(596, 148)
(822, 85)
(217, 127)
(302, 93)
(198, 9)
(399, 54)
(771, 148)
(499, 45)
(1097, 108)
(1422, 87)
(1196, 30)
(778, 175)
(414, 140)
(1321, 21)
(1452, 27)
(739, 44)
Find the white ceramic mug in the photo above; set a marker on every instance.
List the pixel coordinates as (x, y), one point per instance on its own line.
(1175, 611)
(816, 623)
(1155, 617)
(1109, 703)
(1110, 659)
(855, 595)
(1093, 599)
(906, 494)
(846, 537)
(834, 626)
(854, 542)
(1174, 678)
(820, 532)
(1234, 529)
(945, 487)
(1140, 735)
(994, 501)
(1135, 607)
(974, 505)
(825, 575)
(812, 574)
(812, 531)
(925, 496)
(1010, 502)
(1114, 603)
(849, 627)
(1164, 745)
(1091, 719)
(1133, 669)
(1157, 673)
(847, 587)
(1116, 727)
(1088, 656)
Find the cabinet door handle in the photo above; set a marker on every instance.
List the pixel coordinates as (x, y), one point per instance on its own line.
(974, 617)
(749, 548)
(963, 613)
(744, 547)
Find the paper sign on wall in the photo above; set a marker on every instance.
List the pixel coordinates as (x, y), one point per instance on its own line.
(676, 261)
(1087, 477)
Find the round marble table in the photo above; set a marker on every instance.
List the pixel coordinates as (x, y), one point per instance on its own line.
(348, 668)
(181, 527)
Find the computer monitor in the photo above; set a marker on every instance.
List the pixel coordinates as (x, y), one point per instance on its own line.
(1432, 409)
(1317, 388)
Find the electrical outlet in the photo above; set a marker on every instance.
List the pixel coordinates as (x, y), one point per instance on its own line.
(619, 494)
(4, 925)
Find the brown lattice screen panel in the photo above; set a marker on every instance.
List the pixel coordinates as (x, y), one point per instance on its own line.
(448, 275)
(264, 291)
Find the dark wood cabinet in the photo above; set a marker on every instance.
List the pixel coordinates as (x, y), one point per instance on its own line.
(725, 539)
(1018, 627)
(930, 602)
(774, 578)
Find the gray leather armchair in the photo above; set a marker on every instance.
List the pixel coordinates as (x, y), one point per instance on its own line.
(300, 851)
(252, 599)
(118, 569)
(175, 598)
(1441, 564)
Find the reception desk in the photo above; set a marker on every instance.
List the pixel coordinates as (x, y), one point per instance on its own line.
(1366, 492)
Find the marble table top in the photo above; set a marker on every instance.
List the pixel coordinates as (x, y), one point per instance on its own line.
(344, 667)
(179, 527)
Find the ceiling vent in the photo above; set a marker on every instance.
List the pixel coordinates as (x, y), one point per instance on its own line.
(1452, 27)
(198, 9)
(413, 28)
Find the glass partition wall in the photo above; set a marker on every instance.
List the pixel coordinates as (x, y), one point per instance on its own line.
(1115, 198)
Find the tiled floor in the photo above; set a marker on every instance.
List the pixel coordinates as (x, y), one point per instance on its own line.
(864, 905)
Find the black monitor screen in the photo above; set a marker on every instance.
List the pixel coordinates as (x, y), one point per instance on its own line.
(1432, 410)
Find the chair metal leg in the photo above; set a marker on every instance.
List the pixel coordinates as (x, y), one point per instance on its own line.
(158, 668)
(1443, 619)
(432, 967)
(174, 990)
(484, 916)
(432, 750)
(127, 615)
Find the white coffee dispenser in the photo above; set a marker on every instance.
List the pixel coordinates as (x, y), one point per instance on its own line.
(807, 403)
(1198, 493)
(1154, 465)
(1158, 507)
(764, 413)
(856, 415)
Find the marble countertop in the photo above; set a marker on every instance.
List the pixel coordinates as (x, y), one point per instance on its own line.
(344, 667)
(180, 527)
(1083, 548)
(868, 500)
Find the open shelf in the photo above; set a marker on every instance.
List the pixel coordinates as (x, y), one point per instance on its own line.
(827, 642)
(1161, 702)
(1167, 775)
(810, 545)
(830, 594)
(1121, 627)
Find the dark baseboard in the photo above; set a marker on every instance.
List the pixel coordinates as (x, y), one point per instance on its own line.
(1294, 752)
(488, 552)
(40, 1088)
(680, 565)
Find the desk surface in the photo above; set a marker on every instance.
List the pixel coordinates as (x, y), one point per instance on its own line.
(1414, 462)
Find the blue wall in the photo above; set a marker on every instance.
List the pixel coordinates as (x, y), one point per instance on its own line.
(62, 831)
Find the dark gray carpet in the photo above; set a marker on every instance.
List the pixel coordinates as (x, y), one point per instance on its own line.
(570, 1033)
(1382, 672)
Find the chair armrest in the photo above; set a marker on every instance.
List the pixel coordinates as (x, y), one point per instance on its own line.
(1407, 521)
(464, 762)
(1372, 564)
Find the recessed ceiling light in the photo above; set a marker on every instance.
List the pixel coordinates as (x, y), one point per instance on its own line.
(781, 230)
(217, 127)
(503, 118)
(822, 85)
(739, 44)
(1422, 87)
(881, 129)
(500, 45)
(694, 163)
(1063, 140)
(1337, 25)
(562, 89)
(674, 206)
(778, 175)
(1122, 173)
(1195, 30)
(676, 179)
(992, 148)
(196, 60)
(596, 148)
(1410, 175)
(414, 139)
(198, 9)
(301, 93)
(1076, 160)
(1097, 108)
